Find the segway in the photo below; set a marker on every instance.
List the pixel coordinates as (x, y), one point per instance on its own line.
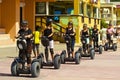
(65, 58)
(18, 65)
(56, 61)
(90, 50)
(110, 45)
(98, 48)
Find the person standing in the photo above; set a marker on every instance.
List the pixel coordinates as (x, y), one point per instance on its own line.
(85, 38)
(36, 41)
(110, 33)
(71, 32)
(48, 32)
(95, 33)
(27, 33)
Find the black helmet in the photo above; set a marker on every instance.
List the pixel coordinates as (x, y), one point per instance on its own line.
(70, 23)
(24, 23)
(84, 25)
(110, 24)
(95, 25)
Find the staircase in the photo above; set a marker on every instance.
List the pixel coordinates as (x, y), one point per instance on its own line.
(6, 41)
(58, 30)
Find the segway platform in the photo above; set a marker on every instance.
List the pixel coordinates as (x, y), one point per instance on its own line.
(56, 62)
(111, 47)
(90, 54)
(64, 59)
(99, 49)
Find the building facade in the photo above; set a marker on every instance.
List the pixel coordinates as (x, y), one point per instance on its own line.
(109, 13)
(37, 12)
(117, 3)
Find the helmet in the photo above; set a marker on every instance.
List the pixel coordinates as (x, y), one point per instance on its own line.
(24, 23)
(70, 23)
(84, 25)
(95, 25)
(110, 24)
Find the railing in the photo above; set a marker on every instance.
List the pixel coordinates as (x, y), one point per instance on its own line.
(118, 18)
(56, 24)
(108, 16)
(59, 29)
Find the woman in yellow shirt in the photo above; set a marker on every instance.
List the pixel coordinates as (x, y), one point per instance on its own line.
(36, 41)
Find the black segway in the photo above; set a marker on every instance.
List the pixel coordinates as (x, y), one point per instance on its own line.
(98, 48)
(110, 44)
(64, 53)
(18, 65)
(56, 62)
(90, 50)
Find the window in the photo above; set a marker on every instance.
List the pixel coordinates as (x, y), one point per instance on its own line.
(88, 11)
(60, 8)
(40, 8)
(94, 12)
(81, 8)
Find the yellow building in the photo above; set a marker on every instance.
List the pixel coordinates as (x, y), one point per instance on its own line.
(109, 13)
(118, 14)
(37, 12)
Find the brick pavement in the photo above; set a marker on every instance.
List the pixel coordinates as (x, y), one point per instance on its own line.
(105, 67)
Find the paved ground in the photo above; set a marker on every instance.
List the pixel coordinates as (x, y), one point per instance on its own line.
(104, 67)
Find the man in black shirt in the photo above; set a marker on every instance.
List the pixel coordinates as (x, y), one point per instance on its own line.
(27, 33)
(95, 33)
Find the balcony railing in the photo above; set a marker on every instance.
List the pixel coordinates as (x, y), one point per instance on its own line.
(118, 18)
(108, 16)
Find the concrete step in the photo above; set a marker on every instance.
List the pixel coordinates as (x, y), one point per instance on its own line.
(2, 30)
(6, 41)
(4, 36)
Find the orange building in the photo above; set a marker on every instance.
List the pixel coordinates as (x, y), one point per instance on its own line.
(12, 12)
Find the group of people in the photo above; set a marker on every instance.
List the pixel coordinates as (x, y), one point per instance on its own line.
(33, 40)
(48, 32)
(89, 36)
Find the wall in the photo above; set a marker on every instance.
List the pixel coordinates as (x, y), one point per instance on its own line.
(10, 16)
(0, 14)
(29, 13)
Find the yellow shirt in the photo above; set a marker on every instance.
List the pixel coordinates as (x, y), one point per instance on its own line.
(36, 37)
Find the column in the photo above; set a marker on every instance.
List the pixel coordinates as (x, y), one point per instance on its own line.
(85, 9)
(76, 7)
(47, 8)
(29, 13)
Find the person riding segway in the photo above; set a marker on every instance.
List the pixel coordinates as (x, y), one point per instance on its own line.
(25, 46)
(95, 32)
(48, 43)
(86, 50)
(70, 42)
(110, 42)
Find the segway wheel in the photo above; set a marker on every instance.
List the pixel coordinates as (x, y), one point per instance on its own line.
(92, 53)
(114, 47)
(106, 47)
(63, 56)
(41, 58)
(35, 69)
(14, 67)
(80, 49)
(77, 58)
(57, 61)
(100, 49)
